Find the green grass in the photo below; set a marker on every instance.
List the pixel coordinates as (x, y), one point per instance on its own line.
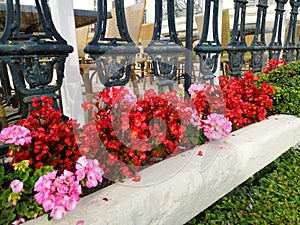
(271, 196)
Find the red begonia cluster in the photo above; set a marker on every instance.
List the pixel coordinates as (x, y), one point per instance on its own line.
(132, 134)
(274, 64)
(244, 100)
(53, 142)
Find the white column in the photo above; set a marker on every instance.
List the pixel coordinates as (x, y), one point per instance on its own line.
(63, 19)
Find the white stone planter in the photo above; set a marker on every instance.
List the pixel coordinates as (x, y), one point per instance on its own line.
(177, 189)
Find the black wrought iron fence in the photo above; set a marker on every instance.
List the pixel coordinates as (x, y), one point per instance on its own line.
(165, 51)
(114, 56)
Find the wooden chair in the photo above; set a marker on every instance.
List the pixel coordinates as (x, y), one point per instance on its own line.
(82, 35)
(225, 39)
(199, 19)
(145, 37)
(134, 18)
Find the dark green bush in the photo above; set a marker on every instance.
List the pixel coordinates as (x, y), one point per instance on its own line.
(272, 196)
(286, 82)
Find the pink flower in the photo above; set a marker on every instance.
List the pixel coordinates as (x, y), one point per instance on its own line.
(58, 212)
(81, 163)
(58, 194)
(49, 203)
(16, 186)
(62, 200)
(75, 190)
(195, 87)
(39, 197)
(80, 222)
(80, 174)
(220, 147)
(89, 169)
(91, 180)
(17, 222)
(15, 134)
(51, 175)
(45, 182)
(71, 204)
(216, 126)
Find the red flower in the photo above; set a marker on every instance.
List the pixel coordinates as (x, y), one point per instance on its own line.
(87, 106)
(52, 140)
(35, 102)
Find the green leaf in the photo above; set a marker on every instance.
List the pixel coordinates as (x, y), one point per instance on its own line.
(24, 176)
(7, 216)
(4, 199)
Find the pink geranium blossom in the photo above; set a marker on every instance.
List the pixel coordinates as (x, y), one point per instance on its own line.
(196, 87)
(89, 169)
(49, 202)
(15, 134)
(57, 194)
(216, 126)
(16, 186)
(58, 212)
(19, 221)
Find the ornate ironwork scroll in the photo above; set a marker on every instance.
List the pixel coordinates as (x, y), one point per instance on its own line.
(164, 53)
(237, 45)
(275, 46)
(258, 45)
(23, 52)
(209, 50)
(290, 42)
(113, 56)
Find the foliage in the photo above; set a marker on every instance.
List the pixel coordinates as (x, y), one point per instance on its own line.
(243, 100)
(135, 133)
(27, 193)
(286, 81)
(17, 201)
(124, 134)
(48, 169)
(53, 142)
(272, 196)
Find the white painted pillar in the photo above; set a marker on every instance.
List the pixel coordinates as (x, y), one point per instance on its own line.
(63, 19)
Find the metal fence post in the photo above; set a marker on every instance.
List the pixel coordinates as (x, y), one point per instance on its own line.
(23, 53)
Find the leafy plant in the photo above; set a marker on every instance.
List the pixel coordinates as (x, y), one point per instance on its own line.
(16, 197)
(44, 171)
(135, 133)
(243, 100)
(52, 142)
(286, 81)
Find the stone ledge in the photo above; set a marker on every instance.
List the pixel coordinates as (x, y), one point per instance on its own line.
(174, 191)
